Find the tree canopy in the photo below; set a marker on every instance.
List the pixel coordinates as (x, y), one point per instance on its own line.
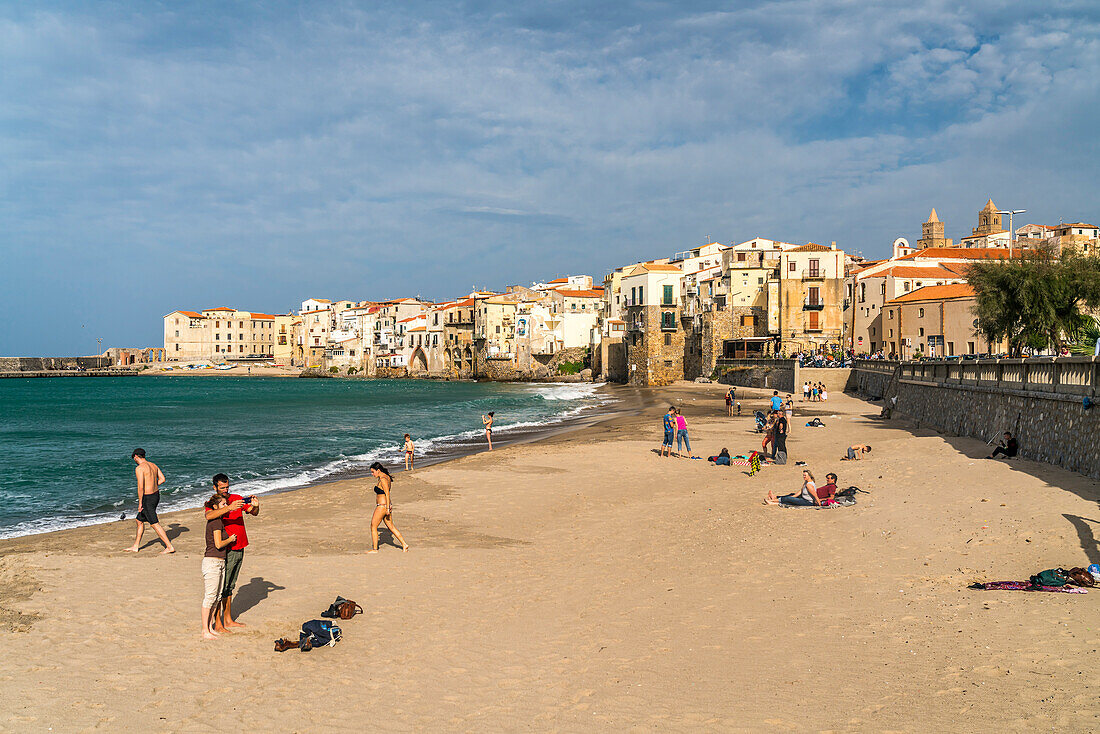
(1038, 300)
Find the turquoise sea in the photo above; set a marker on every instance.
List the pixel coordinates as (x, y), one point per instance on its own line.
(65, 443)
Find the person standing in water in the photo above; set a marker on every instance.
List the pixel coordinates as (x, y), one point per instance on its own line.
(383, 509)
(149, 478)
(488, 421)
(408, 452)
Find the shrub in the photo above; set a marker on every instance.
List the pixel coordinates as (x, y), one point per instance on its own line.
(569, 368)
(334, 369)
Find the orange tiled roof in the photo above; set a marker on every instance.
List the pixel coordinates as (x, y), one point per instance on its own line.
(936, 293)
(812, 247)
(976, 236)
(653, 267)
(962, 253)
(582, 294)
(419, 328)
(411, 318)
(220, 308)
(560, 280)
(321, 300)
(192, 314)
(262, 316)
(914, 271)
(1076, 224)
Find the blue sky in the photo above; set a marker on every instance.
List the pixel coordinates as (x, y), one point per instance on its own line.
(156, 156)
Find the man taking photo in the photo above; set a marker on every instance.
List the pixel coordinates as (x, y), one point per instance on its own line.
(233, 517)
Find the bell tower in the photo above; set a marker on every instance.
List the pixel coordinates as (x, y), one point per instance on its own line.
(932, 233)
(989, 221)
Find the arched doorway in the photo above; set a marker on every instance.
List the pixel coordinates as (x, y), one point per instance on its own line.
(418, 365)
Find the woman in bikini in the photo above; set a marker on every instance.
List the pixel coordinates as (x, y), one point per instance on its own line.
(488, 421)
(383, 510)
(408, 452)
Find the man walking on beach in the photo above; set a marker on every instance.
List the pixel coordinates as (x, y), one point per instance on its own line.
(149, 478)
(233, 517)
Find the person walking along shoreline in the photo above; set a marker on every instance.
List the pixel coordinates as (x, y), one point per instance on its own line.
(383, 507)
(149, 478)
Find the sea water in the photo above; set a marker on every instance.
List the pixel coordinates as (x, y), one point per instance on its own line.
(65, 443)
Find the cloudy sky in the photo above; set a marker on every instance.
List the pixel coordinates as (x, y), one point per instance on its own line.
(169, 155)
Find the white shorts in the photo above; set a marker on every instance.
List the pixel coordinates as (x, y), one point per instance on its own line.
(213, 575)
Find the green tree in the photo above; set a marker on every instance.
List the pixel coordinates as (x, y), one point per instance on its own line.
(1037, 300)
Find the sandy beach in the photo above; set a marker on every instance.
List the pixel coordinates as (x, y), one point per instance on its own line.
(582, 583)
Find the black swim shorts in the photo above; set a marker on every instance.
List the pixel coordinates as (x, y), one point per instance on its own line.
(149, 508)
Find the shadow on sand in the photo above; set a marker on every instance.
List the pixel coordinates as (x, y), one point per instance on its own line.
(252, 593)
(173, 531)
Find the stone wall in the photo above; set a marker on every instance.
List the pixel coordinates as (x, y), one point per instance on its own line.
(835, 379)
(542, 366)
(771, 374)
(39, 364)
(872, 378)
(717, 327)
(1040, 401)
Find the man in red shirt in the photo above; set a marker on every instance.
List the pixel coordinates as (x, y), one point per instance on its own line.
(828, 491)
(233, 517)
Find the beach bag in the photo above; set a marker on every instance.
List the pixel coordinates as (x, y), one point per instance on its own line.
(1081, 577)
(1051, 577)
(342, 608)
(318, 632)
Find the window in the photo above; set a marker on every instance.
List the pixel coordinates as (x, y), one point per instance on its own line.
(240, 348)
(950, 349)
(891, 333)
(920, 313)
(791, 267)
(815, 296)
(891, 312)
(498, 329)
(907, 284)
(668, 340)
(970, 347)
(640, 296)
(741, 257)
(217, 347)
(217, 324)
(240, 337)
(748, 320)
(633, 296)
(178, 347)
(240, 325)
(814, 325)
(668, 320)
(217, 337)
(815, 268)
(666, 296)
(873, 331)
(177, 332)
(920, 331)
(760, 281)
(862, 292)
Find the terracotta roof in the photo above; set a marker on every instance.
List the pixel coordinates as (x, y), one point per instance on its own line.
(936, 293)
(220, 308)
(1076, 224)
(987, 234)
(411, 318)
(318, 310)
(374, 309)
(652, 267)
(559, 280)
(582, 294)
(961, 253)
(419, 328)
(320, 300)
(192, 314)
(912, 271)
(615, 321)
(262, 316)
(812, 247)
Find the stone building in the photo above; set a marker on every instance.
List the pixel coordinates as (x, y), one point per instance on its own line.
(811, 298)
(655, 343)
(875, 286)
(989, 232)
(219, 334)
(932, 234)
(935, 321)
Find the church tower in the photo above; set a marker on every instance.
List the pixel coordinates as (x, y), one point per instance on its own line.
(989, 221)
(932, 233)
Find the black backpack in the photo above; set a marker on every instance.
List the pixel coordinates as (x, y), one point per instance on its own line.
(851, 492)
(317, 632)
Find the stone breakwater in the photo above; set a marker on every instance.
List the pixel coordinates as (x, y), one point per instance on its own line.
(1040, 401)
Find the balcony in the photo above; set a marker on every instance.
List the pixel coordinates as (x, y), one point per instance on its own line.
(809, 305)
(811, 274)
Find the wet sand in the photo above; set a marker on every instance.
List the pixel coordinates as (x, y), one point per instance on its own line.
(581, 583)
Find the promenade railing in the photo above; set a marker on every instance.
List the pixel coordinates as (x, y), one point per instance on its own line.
(1066, 376)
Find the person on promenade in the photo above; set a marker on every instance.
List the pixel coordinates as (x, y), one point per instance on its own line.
(730, 400)
(855, 453)
(1007, 447)
(779, 440)
(682, 436)
(789, 405)
(213, 565)
(149, 478)
(670, 432)
(777, 402)
(232, 515)
(805, 392)
(383, 509)
(487, 420)
(408, 452)
(824, 393)
(806, 498)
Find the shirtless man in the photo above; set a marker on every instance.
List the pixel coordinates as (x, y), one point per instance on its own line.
(149, 479)
(855, 453)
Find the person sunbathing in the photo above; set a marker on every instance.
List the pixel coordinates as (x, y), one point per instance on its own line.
(723, 458)
(806, 498)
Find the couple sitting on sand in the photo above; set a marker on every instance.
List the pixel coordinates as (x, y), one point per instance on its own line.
(810, 496)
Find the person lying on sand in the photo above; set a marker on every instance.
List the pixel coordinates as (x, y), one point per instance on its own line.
(855, 453)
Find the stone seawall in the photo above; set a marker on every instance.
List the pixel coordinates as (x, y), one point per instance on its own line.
(42, 364)
(871, 379)
(1041, 401)
(772, 374)
(835, 379)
